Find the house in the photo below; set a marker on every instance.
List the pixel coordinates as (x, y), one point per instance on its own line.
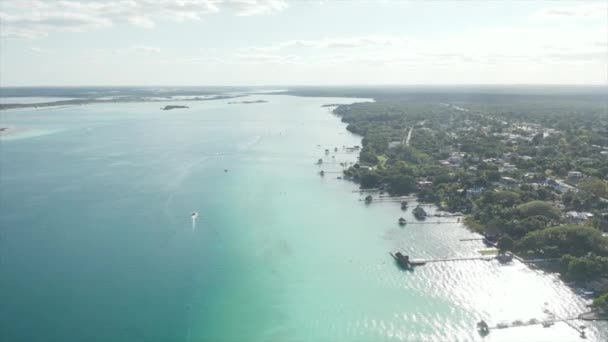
(474, 192)
(394, 144)
(509, 167)
(447, 163)
(508, 181)
(456, 158)
(562, 187)
(559, 186)
(574, 176)
(529, 176)
(424, 184)
(576, 217)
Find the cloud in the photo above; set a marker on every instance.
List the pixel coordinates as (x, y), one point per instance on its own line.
(143, 49)
(265, 58)
(347, 42)
(585, 11)
(352, 42)
(479, 46)
(255, 7)
(39, 50)
(37, 18)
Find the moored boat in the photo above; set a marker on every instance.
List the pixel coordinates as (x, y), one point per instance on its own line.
(419, 213)
(402, 260)
(482, 328)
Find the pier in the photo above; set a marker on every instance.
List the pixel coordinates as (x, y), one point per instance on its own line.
(549, 321)
(484, 258)
(432, 222)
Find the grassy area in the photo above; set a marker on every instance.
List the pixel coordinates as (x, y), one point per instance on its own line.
(473, 224)
(382, 160)
(492, 251)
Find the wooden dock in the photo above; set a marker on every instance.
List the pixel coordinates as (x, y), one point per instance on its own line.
(545, 323)
(433, 222)
(484, 258)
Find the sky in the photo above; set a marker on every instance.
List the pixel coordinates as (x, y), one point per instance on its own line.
(277, 42)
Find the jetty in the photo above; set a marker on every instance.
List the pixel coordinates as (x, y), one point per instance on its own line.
(545, 323)
(405, 261)
(483, 257)
(435, 222)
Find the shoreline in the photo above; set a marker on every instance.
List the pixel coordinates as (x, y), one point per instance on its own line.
(80, 102)
(466, 222)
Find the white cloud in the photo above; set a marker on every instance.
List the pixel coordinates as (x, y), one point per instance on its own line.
(39, 50)
(491, 45)
(264, 58)
(346, 42)
(37, 18)
(254, 7)
(583, 11)
(143, 49)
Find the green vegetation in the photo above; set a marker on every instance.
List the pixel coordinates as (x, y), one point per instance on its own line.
(601, 302)
(528, 170)
(505, 243)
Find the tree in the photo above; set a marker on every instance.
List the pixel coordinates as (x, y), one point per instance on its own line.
(402, 184)
(601, 301)
(369, 180)
(554, 242)
(505, 243)
(595, 186)
(538, 208)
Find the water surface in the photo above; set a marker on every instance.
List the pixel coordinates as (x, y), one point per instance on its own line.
(97, 241)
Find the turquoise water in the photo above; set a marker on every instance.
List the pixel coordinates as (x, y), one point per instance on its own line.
(97, 242)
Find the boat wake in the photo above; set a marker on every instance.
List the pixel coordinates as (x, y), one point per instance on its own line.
(194, 216)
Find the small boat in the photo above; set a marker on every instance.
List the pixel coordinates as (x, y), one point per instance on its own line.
(322, 173)
(326, 151)
(320, 161)
(502, 325)
(482, 328)
(402, 221)
(225, 170)
(336, 149)
(402, 260)
(403, 205)
(194, 215)
(504, 257)
(419, 213)
(547, 324)
(368, 199)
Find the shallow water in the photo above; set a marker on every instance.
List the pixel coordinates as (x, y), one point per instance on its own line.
(97, 241)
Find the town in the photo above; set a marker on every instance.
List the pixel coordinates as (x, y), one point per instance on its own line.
(526, 173)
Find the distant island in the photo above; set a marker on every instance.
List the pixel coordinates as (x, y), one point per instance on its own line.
(126, 99)
(169, 107)
(248, 102)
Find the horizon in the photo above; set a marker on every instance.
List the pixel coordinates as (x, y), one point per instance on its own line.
(262, 43)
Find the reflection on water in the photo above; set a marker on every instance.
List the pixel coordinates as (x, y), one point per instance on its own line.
(96, 243)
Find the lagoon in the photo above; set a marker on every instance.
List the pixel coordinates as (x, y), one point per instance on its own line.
(97, 242)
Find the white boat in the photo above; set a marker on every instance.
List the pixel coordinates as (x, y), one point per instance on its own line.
(194, 215)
